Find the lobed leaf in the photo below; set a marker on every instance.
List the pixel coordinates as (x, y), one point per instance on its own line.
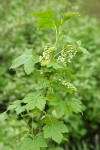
(74, 105)
(26, 59)
(42, 83)
(42, 24)
(3, 116)
(68, 16)
(45, 15)
(84, 50)
(33, 144)
(14, 105)
(55, 130)
(34, 100)
(46, 19)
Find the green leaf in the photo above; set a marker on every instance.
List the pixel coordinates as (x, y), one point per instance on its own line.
(20, 109)
(3, 116)
(45, 19)
(56, 65)
(55, 130)
(40, 141)
(84, 50)
(33, 144)
(42, 83)
(14, 105)
(61, 108)
(17, 107)
(45, 15)
(34, 100)
(26, 59)
(69, 75)
(26, 144)
(68, 16)
(74, 105)
(66, 39)
(43, 24)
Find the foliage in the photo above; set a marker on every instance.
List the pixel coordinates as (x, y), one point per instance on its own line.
(88, 76)
(19, 35)
(51, 66)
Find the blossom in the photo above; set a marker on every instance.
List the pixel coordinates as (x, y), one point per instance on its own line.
(46, 56)
(68, 85)
(68, 53)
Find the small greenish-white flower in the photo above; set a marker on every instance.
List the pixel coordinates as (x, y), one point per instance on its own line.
(62, 59)
(68, 85)
(68, 53)
(46, 56)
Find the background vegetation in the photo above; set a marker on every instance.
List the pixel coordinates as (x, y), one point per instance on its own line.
(18, 32)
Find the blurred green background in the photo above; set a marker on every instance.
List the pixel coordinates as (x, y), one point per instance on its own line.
(18, 32)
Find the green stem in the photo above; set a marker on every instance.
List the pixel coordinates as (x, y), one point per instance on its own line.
(56, 34)
(32, 128)
(25, 122)
(40, 93)
(57, 54)
(60, 51)
(20, 122)
(48, 117)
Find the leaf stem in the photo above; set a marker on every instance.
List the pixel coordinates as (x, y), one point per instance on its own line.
(56, 34)
(25, 121)
(32, 128)
(48, 117)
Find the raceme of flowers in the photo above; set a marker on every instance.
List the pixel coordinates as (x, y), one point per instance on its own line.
(47, 54)
(68, 85)
(68, 53)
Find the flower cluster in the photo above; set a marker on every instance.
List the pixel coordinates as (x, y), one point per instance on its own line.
(69, 52)
(62, 57)
(45, 58)
(69, 85)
